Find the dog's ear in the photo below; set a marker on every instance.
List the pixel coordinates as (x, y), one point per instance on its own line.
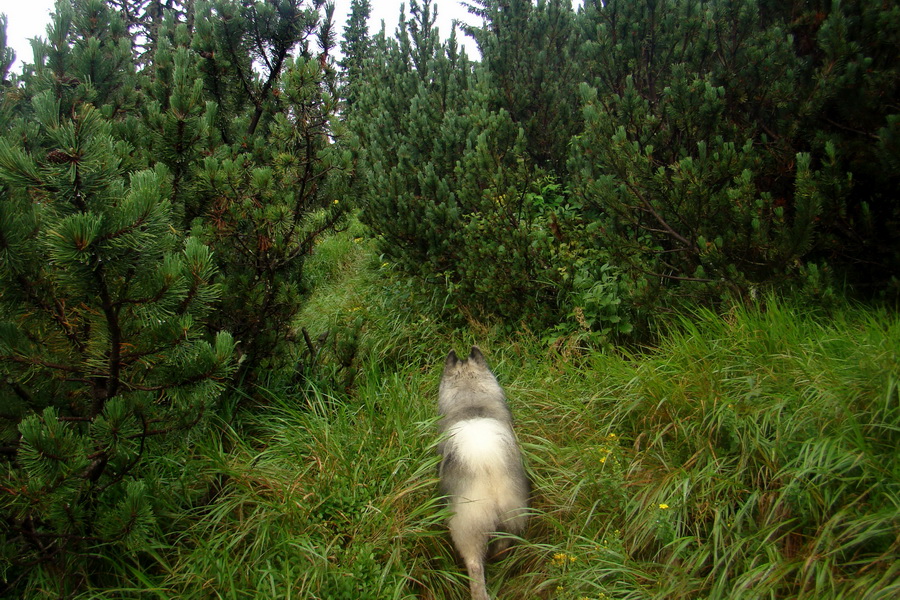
(476, 356)
(451, 360)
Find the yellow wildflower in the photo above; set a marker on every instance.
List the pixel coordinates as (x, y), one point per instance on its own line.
(664, 506)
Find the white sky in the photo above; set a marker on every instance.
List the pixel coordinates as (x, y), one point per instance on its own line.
(29, 18)
(25, 19)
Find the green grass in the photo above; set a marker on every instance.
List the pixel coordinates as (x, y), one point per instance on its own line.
(756, 458)
(748, 455)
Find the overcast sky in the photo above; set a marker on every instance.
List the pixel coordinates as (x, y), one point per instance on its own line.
(29, 18)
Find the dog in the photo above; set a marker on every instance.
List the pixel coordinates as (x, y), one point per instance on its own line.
(481, 471)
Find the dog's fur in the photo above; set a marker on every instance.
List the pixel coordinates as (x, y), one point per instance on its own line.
(481, 470)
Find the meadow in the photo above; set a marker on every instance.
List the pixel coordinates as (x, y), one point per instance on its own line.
(750, 453)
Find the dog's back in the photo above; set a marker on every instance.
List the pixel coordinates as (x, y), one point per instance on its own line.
(481, 468)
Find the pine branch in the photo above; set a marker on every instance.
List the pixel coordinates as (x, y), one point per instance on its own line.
(259, 101)
(143, 301)
(96, 468)
(208, 374)
(138, 456)
(647, 206)
(20, 391)
(110, 384)
(167, 430)
(34, 361)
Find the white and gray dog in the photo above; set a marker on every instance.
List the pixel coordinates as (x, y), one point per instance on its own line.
(481, 470)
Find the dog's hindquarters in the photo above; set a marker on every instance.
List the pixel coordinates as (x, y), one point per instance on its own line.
(482, 474)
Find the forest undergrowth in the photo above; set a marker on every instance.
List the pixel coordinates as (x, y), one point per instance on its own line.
(748, 454)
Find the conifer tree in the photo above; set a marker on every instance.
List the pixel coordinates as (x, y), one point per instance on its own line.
(397, 125)
(850, 121)
(178, 117)
(713, 156)
(151, 206)
(669, 150)
(356, 46)
(529, 50)
(451, 188)
(277, 179)
(103, 350)
(144, 19)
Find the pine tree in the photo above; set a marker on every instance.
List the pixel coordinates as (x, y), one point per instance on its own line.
(723, 148)
(149, 203)
(356, 46)
(102, 346)
(179, 119)
(689, 150)
(277, 179)
(144, 19)
(231, 37)
(451, 189)
(397, 125)
(530, 52)
(850, 121)
(683, 163)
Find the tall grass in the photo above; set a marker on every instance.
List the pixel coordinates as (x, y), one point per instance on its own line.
(324, 500)
(748, 455)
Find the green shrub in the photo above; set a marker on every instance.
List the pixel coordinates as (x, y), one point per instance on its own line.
(156, 206)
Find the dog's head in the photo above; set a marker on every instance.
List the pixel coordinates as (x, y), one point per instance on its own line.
(470, 390)
(471, 373)
(475, 359)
